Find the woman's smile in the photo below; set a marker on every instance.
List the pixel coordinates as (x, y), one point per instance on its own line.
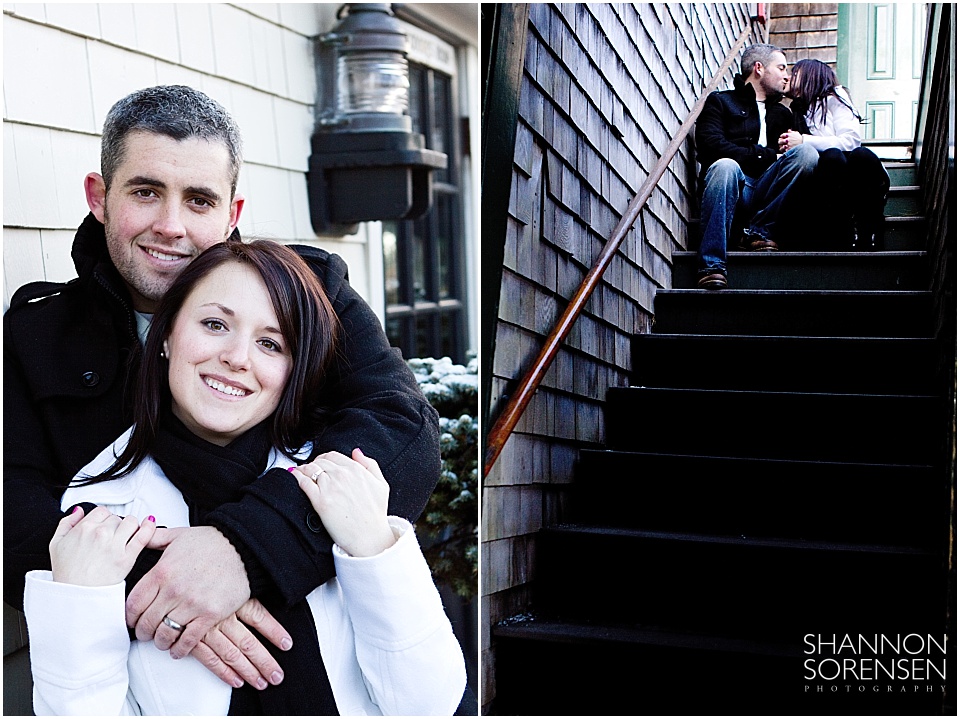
(228, 361)
(225, 387)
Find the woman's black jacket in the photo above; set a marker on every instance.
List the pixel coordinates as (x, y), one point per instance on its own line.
(68, 351)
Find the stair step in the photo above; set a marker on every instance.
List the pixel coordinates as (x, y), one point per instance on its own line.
(900, 150)
(794, 313)
(803, 270)
(903, 201)
(555, 668)
(878, 503)
(901, 173)
(856, 364)
(753, 588)
(882, 429)
(565, 632)
(902, 234)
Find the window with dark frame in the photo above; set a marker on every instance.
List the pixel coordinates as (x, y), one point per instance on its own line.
(424, 259)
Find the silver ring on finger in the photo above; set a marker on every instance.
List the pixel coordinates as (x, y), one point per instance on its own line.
(316, 475)
(172, 624)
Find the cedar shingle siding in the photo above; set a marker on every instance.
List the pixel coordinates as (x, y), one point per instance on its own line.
(805, 30)
(604, 89)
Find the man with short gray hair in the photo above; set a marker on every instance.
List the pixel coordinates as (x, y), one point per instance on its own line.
(165, 193)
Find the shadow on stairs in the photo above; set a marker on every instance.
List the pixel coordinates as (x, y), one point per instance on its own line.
(774, 481)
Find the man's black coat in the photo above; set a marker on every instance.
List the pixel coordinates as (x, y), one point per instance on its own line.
(69, 350)
(729, 126)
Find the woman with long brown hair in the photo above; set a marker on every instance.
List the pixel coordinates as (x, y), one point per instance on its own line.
(850, 183)
(236, 349)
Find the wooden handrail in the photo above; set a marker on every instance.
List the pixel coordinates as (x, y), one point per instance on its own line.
(500, 432)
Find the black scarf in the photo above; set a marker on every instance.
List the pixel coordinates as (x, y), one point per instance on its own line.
(208, 475)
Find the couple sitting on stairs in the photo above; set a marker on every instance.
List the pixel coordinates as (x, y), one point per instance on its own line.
(810, 156)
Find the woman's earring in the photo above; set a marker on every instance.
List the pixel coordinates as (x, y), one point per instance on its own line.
(165, 350)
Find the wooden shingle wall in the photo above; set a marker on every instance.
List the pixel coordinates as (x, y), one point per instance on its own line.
(604, 89)
(805, 30)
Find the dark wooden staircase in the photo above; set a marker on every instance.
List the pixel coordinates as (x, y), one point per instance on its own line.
(777, 468)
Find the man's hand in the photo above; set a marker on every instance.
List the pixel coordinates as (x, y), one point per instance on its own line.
(198, 582)
(233, 653)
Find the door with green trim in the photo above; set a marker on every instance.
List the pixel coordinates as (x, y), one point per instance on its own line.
(880, 59)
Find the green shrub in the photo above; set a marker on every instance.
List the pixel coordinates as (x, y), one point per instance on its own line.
(449, 523)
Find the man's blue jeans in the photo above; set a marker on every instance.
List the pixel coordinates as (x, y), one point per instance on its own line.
(727, 189)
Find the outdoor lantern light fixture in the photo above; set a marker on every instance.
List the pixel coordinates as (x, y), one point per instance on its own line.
(366, 161)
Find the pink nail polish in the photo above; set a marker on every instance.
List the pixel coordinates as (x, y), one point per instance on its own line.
(151, 518)
(360, 451)
(290, 469)
(75, 509)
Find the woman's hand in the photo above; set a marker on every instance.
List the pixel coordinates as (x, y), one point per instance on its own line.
(98, 549)
(350, 495)
(789, 140)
